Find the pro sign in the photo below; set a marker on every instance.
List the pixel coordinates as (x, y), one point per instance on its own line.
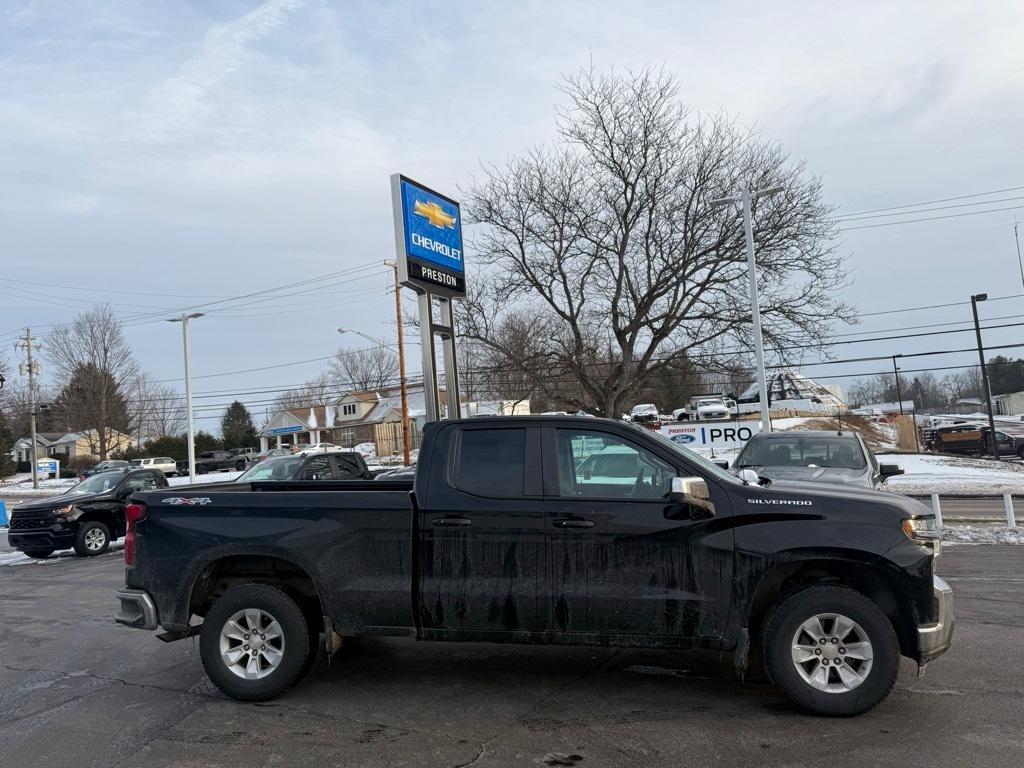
(712, 434)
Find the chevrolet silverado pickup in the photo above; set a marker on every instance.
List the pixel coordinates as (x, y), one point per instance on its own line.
(507, 533)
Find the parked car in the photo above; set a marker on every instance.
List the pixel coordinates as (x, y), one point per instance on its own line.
(271, 453)
(686, 555)
(88, 516)
(219, 461)
(165, 464)
(646, 412)
(709, 408)
(299, 447)
(1009, 438)
(103, 466)
(956, 438)
(402, 473)
(321, 448)
(249, 454)
(815, 456)
(308, 466)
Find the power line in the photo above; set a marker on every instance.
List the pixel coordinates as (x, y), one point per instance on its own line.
(930, 210)
(932, 218)
(932, 202)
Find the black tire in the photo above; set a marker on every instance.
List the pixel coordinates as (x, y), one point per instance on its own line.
(240, 466)
(777, 651)
(39, 554)
(295, 650)
(87, 537)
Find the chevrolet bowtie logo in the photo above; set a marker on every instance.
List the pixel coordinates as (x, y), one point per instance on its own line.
(433, 213)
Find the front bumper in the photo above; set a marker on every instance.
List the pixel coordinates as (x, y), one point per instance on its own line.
(934, 639)
(58, 536)
(137, 609)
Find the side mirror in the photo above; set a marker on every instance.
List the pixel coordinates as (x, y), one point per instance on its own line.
(890, 470)
(723, 464)
(692, 493)
(749, 477)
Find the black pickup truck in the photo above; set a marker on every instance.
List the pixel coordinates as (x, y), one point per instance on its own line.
(503, 537)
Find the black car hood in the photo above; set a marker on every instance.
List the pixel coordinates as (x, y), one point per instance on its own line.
(850, 492)
(56, 502)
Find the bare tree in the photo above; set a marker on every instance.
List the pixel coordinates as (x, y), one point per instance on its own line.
(319, 390)
(157, 410)
(94, 361)
(365, 370)
(609, 243)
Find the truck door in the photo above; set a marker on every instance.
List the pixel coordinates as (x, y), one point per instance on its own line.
(481, 538)
(621, 558)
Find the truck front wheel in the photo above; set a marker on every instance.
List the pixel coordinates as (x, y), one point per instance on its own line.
(831, 651)
(254, 642)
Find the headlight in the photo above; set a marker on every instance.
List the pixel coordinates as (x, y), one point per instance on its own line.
(924, 530)
(65, 511)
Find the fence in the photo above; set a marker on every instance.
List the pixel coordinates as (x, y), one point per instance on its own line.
(1011, 518)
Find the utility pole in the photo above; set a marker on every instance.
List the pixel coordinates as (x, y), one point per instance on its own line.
(744, 198)
(401, 367)
(32, 370)
(1016, 239)
(896, 373)
(984, 372)
(183, 319)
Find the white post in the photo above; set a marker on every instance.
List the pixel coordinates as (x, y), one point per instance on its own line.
(188, 402)
(937, 509)
(755, 309)
(188, 392)
(1011, 521)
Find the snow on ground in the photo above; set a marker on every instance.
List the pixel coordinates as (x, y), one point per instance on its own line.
(954, 475)
(18, 558)
(21, 485)
(970, 534)
(794, 422)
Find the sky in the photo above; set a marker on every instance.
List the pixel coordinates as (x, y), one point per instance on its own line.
(164, 155)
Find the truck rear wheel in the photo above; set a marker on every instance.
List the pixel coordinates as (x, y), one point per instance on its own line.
(255, 643)
(831, 651)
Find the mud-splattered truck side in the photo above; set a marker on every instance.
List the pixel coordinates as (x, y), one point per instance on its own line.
(546, 530)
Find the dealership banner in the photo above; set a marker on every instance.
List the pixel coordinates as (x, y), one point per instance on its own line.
(711, 434)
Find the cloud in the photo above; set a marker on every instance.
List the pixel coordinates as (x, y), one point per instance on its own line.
(181, 102)
(76, 203)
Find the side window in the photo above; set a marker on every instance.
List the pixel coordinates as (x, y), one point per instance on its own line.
(492, 463)
(601, 465)
(347, 468)
(318, 468)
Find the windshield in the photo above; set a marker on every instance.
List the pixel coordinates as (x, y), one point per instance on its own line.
(719, 403)
(693, 457)
(802, 451)
(136, 462)
(99, 483)
(280, 468)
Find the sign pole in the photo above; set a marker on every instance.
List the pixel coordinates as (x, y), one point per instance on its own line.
(428, 246)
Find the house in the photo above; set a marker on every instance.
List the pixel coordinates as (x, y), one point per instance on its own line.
(22, 449)
(86, 444)
(1010, 404)
(367, 417)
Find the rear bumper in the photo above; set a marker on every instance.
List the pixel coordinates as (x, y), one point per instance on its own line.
(934, 639)
(137, 609)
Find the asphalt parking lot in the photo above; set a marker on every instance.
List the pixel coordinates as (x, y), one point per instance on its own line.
(78, 690)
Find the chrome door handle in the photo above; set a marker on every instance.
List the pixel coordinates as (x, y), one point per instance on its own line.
(574, 523)
(452, 522)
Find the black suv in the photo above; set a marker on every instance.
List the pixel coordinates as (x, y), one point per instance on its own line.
(88, 516)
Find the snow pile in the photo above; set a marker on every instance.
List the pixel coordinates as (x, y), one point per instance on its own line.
(219, 477)
(19, 558)
(369, 450)
(970, 534)
(954, 475)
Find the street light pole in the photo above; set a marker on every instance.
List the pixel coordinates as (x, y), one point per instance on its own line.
(896, 373)
(984, 372)
(745, 198)
(188, 392)
(403, 388)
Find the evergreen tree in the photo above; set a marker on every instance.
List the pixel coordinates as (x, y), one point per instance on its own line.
(236, 427)
(7, 466)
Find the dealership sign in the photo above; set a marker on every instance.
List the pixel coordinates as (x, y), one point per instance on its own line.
(428, 238)
(286, 430)
(712, 434)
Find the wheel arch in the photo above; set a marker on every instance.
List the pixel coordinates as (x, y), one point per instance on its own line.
(870, 576)
(229, 569)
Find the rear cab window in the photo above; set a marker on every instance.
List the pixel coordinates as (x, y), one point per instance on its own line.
(490, 463)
